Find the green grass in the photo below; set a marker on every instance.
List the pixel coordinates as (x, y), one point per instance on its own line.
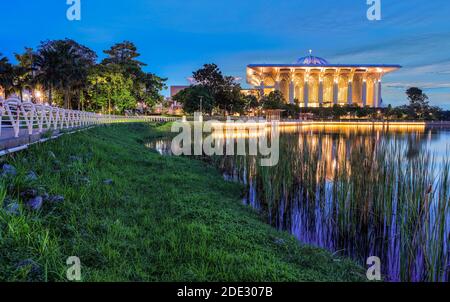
(163, 219)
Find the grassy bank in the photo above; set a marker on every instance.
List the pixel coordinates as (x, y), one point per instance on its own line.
(130, 214)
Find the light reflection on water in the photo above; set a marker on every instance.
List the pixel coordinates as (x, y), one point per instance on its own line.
(359, 192)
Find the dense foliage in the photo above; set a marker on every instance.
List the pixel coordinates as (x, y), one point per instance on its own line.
(72, 78)
(215, 93)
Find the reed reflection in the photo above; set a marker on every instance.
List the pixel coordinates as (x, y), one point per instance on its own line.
(358, 191)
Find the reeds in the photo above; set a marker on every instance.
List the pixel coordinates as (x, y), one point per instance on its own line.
(362, 195)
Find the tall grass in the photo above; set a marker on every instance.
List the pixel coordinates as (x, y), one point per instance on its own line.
(162, 218)
(361, 195)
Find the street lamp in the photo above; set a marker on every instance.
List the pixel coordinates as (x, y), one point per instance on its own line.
(38, 96)
(201, 104)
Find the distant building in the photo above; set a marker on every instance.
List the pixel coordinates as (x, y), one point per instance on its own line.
(173, 107)
(175, 89)
(314, 82)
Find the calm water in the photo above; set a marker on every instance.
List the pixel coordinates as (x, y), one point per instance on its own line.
(358, 192)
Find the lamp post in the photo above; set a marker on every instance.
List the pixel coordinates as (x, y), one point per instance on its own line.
(201, 109)
(201, 104)
(38, 95)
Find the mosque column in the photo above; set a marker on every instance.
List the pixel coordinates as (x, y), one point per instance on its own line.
(379, 93)
(375, 94)
(277, 85)
(321, 92)
(350, 93)
(364, 93)
(262, 88)
(306, 93)
(336, 91)
(291, 91)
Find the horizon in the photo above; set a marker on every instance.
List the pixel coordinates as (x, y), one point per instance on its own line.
(254, 32)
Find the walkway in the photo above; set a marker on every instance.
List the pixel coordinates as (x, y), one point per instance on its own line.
(24, 123)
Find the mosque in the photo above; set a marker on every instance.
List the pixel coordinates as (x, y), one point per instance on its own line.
(314, 82)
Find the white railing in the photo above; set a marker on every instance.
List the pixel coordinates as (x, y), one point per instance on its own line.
(34, 119)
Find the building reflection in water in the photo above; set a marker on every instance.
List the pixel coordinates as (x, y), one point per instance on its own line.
(356, 191)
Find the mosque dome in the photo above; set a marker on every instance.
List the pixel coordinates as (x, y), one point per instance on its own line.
(312, 60)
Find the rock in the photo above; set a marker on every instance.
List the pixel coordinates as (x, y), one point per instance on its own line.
(31, 176)
(36, 203)
(108, 182)
(56, 199)
(33, 268)
(8, 170)
(29, 193)
(45, 196)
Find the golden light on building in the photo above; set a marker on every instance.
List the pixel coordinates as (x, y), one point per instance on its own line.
(314, 82)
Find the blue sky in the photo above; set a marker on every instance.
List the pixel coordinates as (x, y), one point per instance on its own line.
(176, 37)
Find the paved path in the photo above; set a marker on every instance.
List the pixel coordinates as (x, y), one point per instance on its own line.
(8, 142)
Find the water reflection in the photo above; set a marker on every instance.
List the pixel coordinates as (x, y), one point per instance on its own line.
(160, 145)
(359, 192)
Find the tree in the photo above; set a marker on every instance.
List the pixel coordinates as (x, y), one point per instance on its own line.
(417, 98)
(110, 91)
(362, 112)
(6, 75)
(151, 89)
(22, 73)
(225, 92)
(191, 98)
(274, 100)
(63, 65)
(338, 111)
(291, 111)
(250, 103)
(211, 78)
(445, 115)
(124, 55)
(229, 98)
(418, 102)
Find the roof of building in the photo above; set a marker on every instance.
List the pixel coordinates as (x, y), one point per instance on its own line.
(328, 65)
(313, 61)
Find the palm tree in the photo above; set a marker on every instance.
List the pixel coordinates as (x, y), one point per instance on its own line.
(6, 76)
(47, 66)
(23, 73)
(63, 65)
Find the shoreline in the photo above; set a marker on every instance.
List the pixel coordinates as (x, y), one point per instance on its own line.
(155, 218)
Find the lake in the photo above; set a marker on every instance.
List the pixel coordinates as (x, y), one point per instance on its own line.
(358, 191)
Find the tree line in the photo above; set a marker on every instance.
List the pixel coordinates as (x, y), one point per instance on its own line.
(69, 74)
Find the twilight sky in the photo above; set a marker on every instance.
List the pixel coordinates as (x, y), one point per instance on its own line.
(176, 37)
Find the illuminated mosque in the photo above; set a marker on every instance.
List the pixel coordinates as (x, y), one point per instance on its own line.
(314, 82)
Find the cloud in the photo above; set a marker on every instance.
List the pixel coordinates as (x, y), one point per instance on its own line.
(422, 85)
(439, 68)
